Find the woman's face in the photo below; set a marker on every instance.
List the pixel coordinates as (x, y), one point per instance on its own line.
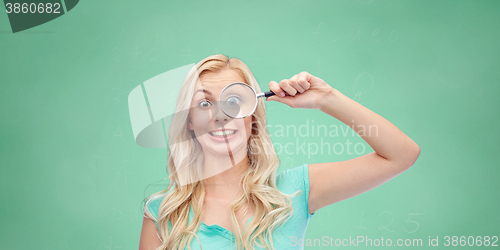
(218, 134)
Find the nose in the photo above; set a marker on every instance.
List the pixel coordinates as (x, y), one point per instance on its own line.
(219, 115)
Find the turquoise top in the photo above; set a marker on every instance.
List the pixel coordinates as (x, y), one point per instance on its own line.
(286, 237)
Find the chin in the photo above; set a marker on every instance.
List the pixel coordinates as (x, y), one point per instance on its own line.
(237, 145)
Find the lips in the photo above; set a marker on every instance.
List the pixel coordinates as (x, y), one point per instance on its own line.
(221, 133)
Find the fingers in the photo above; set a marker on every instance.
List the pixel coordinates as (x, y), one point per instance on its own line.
(285, 85)
(280, 94)
(297, 84)
(275, 88)
(294, 84)
(302, 80)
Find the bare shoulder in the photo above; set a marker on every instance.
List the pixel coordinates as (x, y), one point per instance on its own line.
(149, 238)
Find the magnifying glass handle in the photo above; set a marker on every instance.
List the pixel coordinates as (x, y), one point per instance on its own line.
(265, 94)
(269, 93)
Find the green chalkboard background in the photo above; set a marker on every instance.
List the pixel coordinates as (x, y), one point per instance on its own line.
(72, 176)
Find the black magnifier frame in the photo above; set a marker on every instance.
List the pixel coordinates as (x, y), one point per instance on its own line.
(257, 96)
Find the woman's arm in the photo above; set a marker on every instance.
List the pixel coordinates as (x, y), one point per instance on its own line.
(336, 181)
(149, 239)
(394, 153)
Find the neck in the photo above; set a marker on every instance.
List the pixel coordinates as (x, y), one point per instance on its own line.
(226, 184)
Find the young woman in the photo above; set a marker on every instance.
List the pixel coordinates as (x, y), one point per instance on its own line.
(224, 192)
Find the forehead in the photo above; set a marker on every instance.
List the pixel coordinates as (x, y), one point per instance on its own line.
(220, 79)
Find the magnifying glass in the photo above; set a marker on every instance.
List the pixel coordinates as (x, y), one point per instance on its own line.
(239, 100)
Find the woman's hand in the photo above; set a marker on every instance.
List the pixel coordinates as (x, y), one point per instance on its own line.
(301, 91)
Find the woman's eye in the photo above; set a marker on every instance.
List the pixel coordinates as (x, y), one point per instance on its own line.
(233, 100)
(204, 104)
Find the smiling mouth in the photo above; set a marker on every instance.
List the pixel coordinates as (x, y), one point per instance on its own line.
(222, 133)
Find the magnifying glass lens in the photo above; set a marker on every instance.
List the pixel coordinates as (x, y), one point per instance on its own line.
(238, 100)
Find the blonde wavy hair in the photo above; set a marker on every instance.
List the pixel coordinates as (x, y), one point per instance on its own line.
(272, 208)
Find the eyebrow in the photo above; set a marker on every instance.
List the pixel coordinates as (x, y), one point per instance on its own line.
(204, 91)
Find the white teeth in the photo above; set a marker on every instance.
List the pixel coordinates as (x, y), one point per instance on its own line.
(222, 133)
